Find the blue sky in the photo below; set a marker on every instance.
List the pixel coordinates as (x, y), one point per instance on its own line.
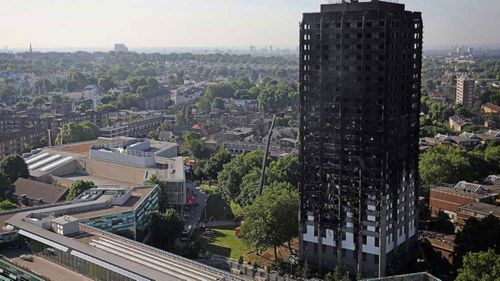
(213, 23)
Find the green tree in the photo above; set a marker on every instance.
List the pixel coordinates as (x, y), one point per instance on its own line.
(492, 156)
(73, 132)
(221, 90)
(21, 105)
(162, 193)
(336, 276)
(272, 219)
(218, 103)
(108, 107)
(478, 235)
(127, 101)
(449, 164)
(136, 82)
(276, 96)
(118, 73)
(230, 178)
(481, 266)
(105, 83)
(14, 167)
(6, 187)
(285, 169)
(78, 187)
(196, 146)
(165, 228)
(7, 93)
(215, 164)
(39, 100)
(249, 187)
(184, 116)
(7, 205)
(106, 99)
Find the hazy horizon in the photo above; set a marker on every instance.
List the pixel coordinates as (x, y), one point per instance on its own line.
(223, 24)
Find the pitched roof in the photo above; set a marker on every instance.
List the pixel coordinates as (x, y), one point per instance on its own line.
(39, 190)
(492, 107)
(460, 120)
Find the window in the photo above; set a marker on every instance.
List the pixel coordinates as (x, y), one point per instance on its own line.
(364, 240)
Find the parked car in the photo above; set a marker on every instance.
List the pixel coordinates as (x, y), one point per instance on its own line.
(26, 257)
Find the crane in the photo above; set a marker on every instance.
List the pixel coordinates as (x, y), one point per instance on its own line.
(264, 159)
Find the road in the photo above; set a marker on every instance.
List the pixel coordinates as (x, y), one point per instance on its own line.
(197, 210)
(44, 267)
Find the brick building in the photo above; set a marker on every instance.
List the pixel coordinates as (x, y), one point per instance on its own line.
(447, 199)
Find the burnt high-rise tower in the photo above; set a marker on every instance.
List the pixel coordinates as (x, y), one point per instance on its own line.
(360, 68)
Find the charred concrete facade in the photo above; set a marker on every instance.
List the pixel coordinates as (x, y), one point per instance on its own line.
(360, 66)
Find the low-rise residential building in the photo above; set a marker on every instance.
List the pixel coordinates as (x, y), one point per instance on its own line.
(489, 136)
(246, 104)
(21, 141)
(436, 96)
(490, 108)
(33, 193)
(187, 94)
(457, 123)
(134, 128)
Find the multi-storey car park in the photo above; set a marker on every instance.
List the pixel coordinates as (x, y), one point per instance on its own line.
(80, 236)
(360, 86)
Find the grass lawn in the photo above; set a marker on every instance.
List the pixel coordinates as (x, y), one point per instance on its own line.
(206, 188)
(224, 242)
(218, 208)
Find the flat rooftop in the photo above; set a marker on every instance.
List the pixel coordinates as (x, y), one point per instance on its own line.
(132, 203)
(482, 208)
(130, 258)
(42, 266)
(127, 257)
(138, 194)
(99, 181)
(452, 190)
(77, 148)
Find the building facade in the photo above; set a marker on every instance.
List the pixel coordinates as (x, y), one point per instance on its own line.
(360, 86)
(465, 91)
(22, 141)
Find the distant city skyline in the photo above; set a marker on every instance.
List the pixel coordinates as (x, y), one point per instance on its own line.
(92, 24)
